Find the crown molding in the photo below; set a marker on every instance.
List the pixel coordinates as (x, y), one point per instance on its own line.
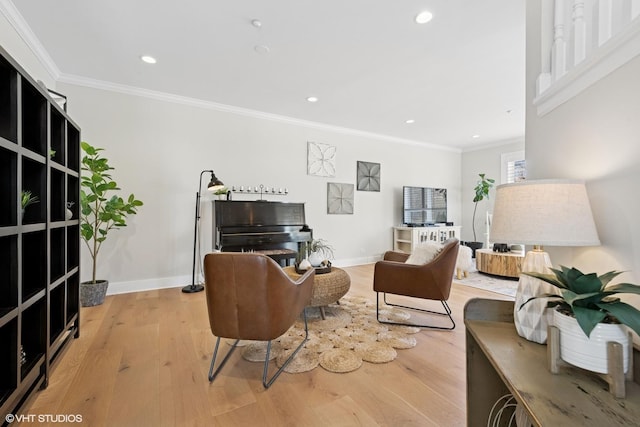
(14, 17)
(493, 144)
(210, 105)
(23, 29)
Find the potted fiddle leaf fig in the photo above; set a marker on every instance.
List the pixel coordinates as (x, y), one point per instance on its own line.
(588, 315)
(481, 190)
(101, 211)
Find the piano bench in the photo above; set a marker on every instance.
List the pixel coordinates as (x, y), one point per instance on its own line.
(281, 256)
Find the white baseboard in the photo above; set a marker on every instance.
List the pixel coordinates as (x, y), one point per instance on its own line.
(116, 288)
(350, 262)
(148, 284)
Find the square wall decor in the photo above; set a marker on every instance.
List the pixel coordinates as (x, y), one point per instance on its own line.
(339, 198)
(321, 159)
(368, 176)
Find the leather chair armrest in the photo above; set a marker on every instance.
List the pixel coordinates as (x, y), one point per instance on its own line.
(395, 256)
(393, 271)
(406, 279)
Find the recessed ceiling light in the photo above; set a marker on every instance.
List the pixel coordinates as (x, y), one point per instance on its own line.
(148, 59)
(312, 99)
(256, 23)
(475, 136)
(424, 17)
(409, 121)
(261, 48)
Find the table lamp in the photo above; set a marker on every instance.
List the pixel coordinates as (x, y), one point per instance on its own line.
(214, 185)
(540, 212)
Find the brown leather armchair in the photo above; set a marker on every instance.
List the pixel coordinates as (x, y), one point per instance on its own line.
(429, 281)
(249, 297)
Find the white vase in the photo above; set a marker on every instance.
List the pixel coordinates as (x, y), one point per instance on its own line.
(589, 352)
(304, 264)
(531, 320)
(315, 259)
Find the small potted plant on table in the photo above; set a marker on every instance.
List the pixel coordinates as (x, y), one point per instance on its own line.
(319, 250)
(588, 315)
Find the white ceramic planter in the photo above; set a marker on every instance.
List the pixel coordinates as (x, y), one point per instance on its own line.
(589, 352)
(315, 259)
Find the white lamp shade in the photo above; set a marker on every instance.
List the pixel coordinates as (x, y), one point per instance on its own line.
(543, 212)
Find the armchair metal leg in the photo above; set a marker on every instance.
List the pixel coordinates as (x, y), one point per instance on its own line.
(267, 383)
(447, 312)
(213, 375)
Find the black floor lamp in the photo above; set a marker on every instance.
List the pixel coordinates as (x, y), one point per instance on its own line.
(214, 185)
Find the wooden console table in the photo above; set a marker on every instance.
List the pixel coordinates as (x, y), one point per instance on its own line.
(500, 362)
(507, 264)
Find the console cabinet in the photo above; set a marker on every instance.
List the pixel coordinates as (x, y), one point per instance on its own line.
(500, 362)
(405, 239)
(40, 246)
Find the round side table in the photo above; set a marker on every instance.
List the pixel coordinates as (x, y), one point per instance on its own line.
(327, 288)
(507, 264)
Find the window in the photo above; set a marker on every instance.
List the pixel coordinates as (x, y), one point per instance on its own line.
(514, 167)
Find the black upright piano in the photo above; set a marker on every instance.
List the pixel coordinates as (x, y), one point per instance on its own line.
(276, 229)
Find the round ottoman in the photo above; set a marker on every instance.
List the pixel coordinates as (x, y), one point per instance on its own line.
(327, 288)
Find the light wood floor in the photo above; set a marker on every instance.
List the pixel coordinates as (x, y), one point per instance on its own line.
(143, 358)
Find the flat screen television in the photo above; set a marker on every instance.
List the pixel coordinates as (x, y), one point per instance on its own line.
(424, 206)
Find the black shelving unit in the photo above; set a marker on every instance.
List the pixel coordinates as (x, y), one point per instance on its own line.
(40, 247)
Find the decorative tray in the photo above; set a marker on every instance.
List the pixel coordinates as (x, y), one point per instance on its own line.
(319, 270)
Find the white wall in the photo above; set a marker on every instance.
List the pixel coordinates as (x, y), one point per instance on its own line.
(485, 160)
(594, 137)
(159, 148)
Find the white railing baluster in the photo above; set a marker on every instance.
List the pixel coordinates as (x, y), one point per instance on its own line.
(582, 41)
(635, 9)
(579, 32)
(559, 48)
(605, 21)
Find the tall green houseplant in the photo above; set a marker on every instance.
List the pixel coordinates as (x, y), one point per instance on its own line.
(99, 212)
(481, 192)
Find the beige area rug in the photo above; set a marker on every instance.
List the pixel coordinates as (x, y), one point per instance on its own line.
(490, 283)
(349, 336)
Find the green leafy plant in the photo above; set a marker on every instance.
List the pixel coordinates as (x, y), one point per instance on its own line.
(220, 191)
(322, 247)
(27, 198)
(589, 297)
(481, 192)
(99, 212)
